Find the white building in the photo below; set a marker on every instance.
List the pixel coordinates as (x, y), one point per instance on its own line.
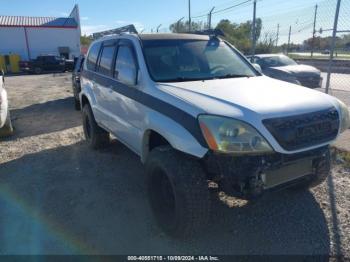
(30, 37)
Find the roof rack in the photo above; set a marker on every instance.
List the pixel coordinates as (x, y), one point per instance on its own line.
(209, 32)
(117, 31)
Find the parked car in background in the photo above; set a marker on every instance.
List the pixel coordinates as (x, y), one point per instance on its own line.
(45, 63)
(69, 65)
(282, 67)
(5, 119)
(76, 80)
(195, 110)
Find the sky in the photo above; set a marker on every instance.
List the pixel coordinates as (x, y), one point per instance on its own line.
(147, 15)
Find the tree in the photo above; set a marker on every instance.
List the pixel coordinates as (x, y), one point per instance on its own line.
(182, 27)
(85, 40)
(240, 35)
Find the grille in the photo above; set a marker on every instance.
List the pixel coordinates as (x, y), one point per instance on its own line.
(301, 131)
(312, 81)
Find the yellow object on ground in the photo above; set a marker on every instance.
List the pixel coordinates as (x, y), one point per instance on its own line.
(2, 63)
(14, 63)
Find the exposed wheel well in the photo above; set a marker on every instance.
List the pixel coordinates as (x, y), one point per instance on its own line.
(151, 141)
(156, 140)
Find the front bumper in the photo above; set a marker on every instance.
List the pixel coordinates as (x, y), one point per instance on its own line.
(311, 82)
(246, 176)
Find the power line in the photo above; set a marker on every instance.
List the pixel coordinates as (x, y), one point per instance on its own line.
(228, 8)
(224, 9)
(205, 12)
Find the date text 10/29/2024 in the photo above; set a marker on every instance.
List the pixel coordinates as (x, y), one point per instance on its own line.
(173, 258)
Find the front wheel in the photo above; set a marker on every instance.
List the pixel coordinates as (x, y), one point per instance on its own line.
(178, 192)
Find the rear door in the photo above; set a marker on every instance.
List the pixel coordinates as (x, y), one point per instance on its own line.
(126, 112)
(104, 81)
(90, 80)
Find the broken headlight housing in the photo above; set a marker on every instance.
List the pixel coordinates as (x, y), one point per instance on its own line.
(229, 135)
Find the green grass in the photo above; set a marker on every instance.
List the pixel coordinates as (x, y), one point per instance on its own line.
(339, 57)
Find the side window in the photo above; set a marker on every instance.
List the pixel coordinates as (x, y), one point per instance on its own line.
(106, 60)
(125, 66)
(92, 57)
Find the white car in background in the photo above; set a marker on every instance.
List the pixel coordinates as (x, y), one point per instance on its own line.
(5, 120)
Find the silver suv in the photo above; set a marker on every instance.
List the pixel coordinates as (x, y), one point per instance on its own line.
(196, 111)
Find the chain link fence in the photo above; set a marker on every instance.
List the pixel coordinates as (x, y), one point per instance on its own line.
(314, 33)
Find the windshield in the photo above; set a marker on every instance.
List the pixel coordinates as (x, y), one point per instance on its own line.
(275, 61)
(190, 60)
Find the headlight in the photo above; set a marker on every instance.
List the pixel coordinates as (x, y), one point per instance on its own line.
(232, 136)
(344, 117)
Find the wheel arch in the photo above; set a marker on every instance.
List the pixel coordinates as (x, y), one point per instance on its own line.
(153, 138)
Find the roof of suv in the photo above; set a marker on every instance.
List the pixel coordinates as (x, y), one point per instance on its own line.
(173, 37)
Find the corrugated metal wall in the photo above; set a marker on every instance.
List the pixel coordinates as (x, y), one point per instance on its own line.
(40, 40)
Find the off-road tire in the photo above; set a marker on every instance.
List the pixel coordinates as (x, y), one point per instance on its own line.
(189, 189)
(7, 129)
(94, 135)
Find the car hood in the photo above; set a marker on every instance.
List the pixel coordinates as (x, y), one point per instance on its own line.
(256, 97)
(298, 70)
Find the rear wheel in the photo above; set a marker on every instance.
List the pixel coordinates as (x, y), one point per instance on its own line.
(76, 104)
(38, 70)
(7, 129)
(95, 135)
(178, 192)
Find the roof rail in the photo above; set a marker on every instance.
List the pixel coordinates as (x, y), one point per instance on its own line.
(209, 32)
(117, 31)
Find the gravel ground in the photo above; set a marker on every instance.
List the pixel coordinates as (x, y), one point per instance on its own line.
(59, 197)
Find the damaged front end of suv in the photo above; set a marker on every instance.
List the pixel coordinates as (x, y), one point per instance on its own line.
(244, 164)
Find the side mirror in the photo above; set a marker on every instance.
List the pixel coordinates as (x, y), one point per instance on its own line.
(258, 68)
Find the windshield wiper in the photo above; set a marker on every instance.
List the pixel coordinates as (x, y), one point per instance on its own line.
(231, 76)
(185, 79)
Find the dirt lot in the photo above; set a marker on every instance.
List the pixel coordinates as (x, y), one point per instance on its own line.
(59, 197)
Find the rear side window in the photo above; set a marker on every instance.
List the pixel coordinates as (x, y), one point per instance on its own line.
(106, 60)
(92, 58)
(125, 67)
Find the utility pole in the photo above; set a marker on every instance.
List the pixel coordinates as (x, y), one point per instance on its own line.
(158, 27)
(254, 31)
(209, 17)
(278, 34)
(290, 32)
(314, 33)
(335, 29)
(178, 24)
(189, 16)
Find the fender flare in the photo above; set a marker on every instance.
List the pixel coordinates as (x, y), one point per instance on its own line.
(179, 138)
